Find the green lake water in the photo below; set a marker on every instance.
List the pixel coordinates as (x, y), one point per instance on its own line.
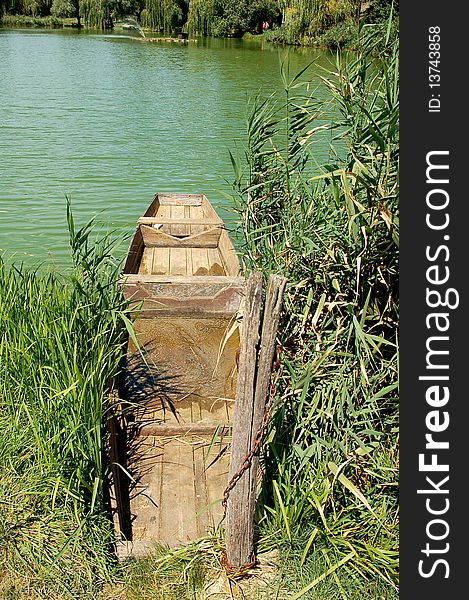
(108, 121)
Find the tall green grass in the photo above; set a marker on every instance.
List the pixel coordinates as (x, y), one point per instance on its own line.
(331, 453)
(60, 346)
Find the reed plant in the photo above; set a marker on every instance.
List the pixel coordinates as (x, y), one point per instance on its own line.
(330, 456)
(60, 345)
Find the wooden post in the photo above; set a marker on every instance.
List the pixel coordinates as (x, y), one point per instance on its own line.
(255, 365)
(239, 525)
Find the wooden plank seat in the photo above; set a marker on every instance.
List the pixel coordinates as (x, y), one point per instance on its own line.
(181, 261)
(194, 254)
(205, 239)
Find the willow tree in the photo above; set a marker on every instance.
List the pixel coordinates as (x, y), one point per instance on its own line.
(97, 13)
(93, 13)
(164, 14)
(230, 17)
(33, 8)
(312, 17)
(66, 8)
(200, 17)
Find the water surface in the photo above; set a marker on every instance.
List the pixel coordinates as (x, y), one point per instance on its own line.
(108, 121)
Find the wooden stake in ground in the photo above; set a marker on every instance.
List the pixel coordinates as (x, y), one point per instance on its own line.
(255, 365)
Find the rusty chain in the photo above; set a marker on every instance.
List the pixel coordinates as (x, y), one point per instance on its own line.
(246, 464)
(236, 572)
(247, 460)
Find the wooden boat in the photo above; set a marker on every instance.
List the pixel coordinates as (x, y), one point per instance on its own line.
(171, 227)
(183, 274)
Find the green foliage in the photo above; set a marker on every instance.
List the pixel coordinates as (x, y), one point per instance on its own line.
(25, 21)
(231, 18)
(95, 13)
(321, 576)
(331, 454)
(200, 17)
(307, 21)
(344, 34)
(234, 17)
(380, 10)
(60, 347)
(32, 8)
(178, 574)
(332, 23)
(62, 8)
(164, 14)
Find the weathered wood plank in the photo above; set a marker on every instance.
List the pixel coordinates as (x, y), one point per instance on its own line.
(215, 262)
(187, 214)
(196, 411)
(239, 530)
(272, 311)
(200, 490)
(153, 208)
(177, 261)
(197, 213)
(216, 474)
(191, 429)
(180, 199)
(189, 266)
(209, 211)
(169, 221)
(147, 262)
(170, 521)
(163, 212)
(178, 519)
(146, 497)
(228, 255)
(242, 500)
(135, 252)
(118, 458)
(200, 264)
(160, 261)
(203, 280)
(196, 216)
(212, 296)
(154, 237)
(177, 214)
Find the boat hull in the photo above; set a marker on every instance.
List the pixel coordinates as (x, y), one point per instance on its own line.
(183, 277)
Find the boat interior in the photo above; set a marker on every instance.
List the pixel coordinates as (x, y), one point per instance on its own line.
(181, 235)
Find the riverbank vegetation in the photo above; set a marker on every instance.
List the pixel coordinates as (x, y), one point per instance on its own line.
(60, 347)
(332, 23)
(328, 508)
(331, 452)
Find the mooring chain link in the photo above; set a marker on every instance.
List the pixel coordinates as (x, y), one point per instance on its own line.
(247, 460)
(237, 572)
